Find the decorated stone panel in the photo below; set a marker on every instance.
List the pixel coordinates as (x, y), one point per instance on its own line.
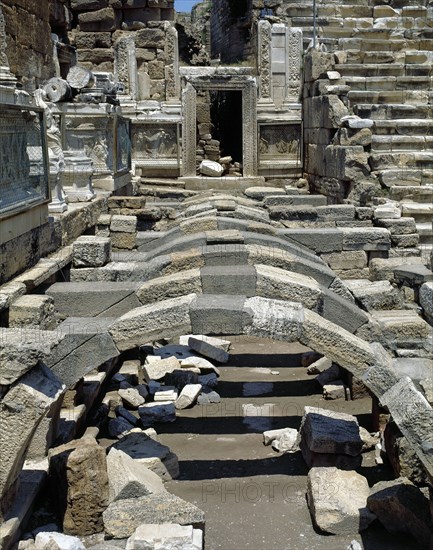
(123, 137)
(156, 141)
(279, 142)
(95, 137)
(23, 161)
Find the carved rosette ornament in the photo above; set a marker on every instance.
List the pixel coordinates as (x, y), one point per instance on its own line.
(294, 64)
(265, 60)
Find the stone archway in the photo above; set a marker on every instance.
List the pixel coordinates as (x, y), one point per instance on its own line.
(290, 322)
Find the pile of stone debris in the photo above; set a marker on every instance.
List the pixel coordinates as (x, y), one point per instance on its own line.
(108, 486)
(340, 500)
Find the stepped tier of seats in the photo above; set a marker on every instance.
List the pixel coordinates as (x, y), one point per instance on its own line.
(384, 54)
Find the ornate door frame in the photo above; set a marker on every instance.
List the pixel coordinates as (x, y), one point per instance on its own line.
(248, 86)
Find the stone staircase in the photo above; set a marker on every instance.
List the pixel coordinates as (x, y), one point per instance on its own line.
(389, 72)
(385, 55)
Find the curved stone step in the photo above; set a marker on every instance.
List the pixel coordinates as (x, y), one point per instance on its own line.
(422, 194)
(410, 159)
(404, 126)
(396, 143)
(389, 83)
(371, 69)
(393, 111)
(381, 45)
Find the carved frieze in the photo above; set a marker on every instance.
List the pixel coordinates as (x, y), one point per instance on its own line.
(189, 134)
(94, 137)
(279, 142)
(294, 64)
(172, 84)
(23, 168)
(125, 65)
(265, 60)
(155, 141)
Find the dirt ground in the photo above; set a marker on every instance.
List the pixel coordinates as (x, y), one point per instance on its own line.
(254, 497)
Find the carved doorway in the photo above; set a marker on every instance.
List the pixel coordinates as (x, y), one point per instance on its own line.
(246, 86)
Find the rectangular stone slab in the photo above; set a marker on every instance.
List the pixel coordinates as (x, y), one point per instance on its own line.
(88, 299)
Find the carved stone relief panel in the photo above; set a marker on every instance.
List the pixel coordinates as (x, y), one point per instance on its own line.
(189, 137)
(294, 64)
(265, 60)
(155, 141)
(94, 137)
(279, 142)
(172, 78)
(123, 144)
(23, 164)
(125, 65)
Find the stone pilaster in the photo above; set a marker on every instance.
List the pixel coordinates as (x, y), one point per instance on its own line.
(265, 61)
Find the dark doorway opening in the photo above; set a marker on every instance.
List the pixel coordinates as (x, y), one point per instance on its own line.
(226, 116)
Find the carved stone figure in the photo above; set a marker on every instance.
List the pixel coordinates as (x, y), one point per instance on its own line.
(55, 155)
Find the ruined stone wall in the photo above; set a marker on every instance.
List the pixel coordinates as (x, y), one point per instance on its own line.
(99, 24)
(29, 44)
(336, 144)
(231, 25)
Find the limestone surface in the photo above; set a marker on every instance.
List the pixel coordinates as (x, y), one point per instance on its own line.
(128, 478)
(156, 370)
(336, 498)
(89, 251)
(57, 541)
(188, 396)
(78, 473)
(401, 507)
(163, 411)
(207, 349)
(330, 432)
(152, 454)
(122, 517)
(21, 411)
(173, 535)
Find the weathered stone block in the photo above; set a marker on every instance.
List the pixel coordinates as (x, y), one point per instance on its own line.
(104, 20)
(162, 411)
(152, 454)
(352, 259)
(151, 322)
(123, 224)
(426, 299)
(156, 370)
(88, 5)
(150, 38)
(21, 412)
(128, 478)
(22, 349)
(317, 64)
(336, 499)
(166, 534)
(402, 507)
(329, 432)
(123, 517)
(78, 472)
(32, 310)
(89, 251)
(123, 240)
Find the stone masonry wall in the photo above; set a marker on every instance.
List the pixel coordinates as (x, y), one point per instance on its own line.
(99, 24)
(231, 26)
(29, 44)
